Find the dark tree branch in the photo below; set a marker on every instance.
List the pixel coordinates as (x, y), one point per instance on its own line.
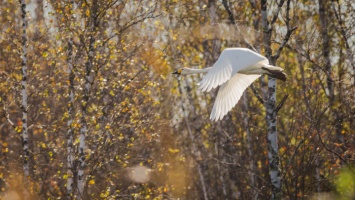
(230, 14)
(258, 96)
(276, 14)
(232, 21)
(288, 33)
(322, 142)
(279, 106)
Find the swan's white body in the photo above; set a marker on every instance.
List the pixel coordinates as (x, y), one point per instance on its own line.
(235, 70)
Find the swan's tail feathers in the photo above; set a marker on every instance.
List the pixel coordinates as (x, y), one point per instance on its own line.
(275, 72)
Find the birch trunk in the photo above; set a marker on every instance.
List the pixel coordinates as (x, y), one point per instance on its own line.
(345, 37)
(325, 47)
(83, 128)
(273, 148)
(216, 46)
(89, 78)
(194, 150)
(273, 156)
(70, 132)
(323, 12)
(24, 91)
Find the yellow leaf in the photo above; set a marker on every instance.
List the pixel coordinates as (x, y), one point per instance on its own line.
(91, 182)
(5, 144)
(173, 150)
(43, 145)
(45, 54)
(293, 141)
(112, 93)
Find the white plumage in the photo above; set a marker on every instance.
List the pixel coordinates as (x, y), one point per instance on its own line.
(235, 70)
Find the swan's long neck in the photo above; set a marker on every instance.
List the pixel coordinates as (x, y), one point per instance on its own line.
(197, 71)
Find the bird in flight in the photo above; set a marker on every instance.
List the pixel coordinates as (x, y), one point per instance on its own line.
(235, 70)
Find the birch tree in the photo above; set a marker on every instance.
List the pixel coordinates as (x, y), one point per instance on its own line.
(24, 137)
(324, 13)
(70, 128)
(270, 104)
(91, 25)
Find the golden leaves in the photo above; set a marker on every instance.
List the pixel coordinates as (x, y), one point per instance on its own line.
(171, 150)
(91, 182)
(156, 59)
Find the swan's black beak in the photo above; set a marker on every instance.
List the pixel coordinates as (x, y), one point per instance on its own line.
(176, 72)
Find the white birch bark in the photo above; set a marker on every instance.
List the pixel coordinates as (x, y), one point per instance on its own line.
(324, 8)
(194, 150)
(326, 48)
(83, 128)
(345, 36)
(70, 132)
(92, 23)
(199, 168)
(26, 169)
(273, 148)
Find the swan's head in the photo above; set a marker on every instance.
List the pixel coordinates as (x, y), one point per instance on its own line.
(181, 71)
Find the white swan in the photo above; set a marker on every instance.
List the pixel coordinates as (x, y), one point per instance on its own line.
(235, 70)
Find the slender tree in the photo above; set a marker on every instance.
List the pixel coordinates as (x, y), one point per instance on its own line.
(70, 128)
(89, 78)
(273, 148)
(194, 152)
(24, 107)
(324, 9)
(270, 104)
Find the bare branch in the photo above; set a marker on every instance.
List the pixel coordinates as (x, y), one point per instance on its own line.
(232, 20)
(258, 96)
(230, 14)
(288, 33)
(340, 28)
(279, 106)
(276, 14)
(7, 117)
(322, 142)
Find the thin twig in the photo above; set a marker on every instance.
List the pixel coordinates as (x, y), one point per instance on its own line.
(322, 142)
(279, 106)
(258, 96)
(7, 117)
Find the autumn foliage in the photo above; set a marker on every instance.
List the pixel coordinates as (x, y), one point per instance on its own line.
(147, 132)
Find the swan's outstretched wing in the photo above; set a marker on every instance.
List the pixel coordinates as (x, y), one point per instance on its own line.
(229, 63)
(229, 94)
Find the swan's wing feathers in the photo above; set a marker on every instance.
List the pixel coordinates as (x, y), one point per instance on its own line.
(231, 61)
(217, 75)
(230, 93)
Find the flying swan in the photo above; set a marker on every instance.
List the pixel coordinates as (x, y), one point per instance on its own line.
(235, 70)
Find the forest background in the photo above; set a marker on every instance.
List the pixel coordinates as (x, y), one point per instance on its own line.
(89, 108)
